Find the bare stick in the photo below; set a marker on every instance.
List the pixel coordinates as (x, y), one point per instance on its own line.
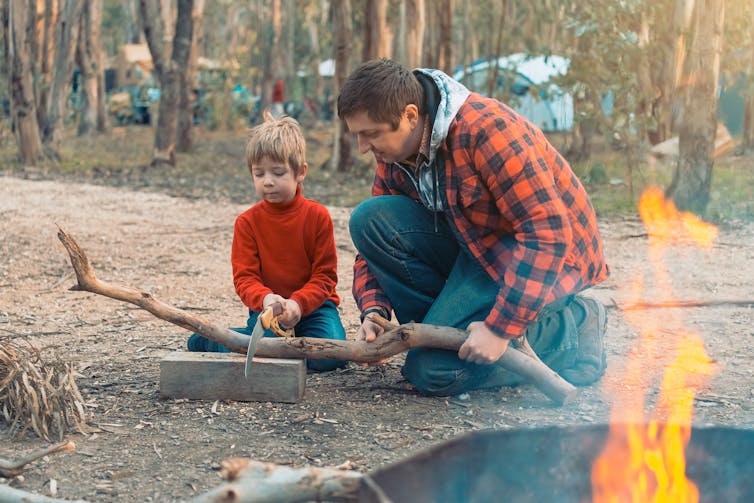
(682, 303)
(396, 340)
(11, 468)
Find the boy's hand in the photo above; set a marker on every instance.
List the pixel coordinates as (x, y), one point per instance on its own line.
(291, 314)
(271, 298)
(482, 346)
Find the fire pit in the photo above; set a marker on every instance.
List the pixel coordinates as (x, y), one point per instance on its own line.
(554, 464)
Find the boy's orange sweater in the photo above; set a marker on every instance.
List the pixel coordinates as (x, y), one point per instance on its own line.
(287, 249)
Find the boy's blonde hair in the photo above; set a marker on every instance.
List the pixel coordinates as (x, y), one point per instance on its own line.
(281, 140)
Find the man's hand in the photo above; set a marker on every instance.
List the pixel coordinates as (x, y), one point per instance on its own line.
(369, 330)
(482, 346)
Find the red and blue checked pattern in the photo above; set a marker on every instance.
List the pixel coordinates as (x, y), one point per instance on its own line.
(516, 205)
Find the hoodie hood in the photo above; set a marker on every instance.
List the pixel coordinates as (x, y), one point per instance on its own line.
(443, 100)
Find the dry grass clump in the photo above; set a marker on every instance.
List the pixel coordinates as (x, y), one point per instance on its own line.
(38, 395)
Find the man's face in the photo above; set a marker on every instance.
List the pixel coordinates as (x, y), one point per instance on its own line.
(387, 144)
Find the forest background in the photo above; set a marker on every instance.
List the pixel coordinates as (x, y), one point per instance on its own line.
(662, 64)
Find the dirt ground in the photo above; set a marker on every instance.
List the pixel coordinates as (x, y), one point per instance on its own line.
(143, 448)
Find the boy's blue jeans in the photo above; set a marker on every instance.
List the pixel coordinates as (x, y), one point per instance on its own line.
(322, 323)
(429, 278)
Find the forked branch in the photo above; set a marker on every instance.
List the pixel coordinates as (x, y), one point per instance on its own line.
(396, 339)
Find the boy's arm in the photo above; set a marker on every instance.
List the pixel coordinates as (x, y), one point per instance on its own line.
(247, 277)
(324, 277)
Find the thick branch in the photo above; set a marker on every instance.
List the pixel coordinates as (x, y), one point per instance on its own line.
(396, 339)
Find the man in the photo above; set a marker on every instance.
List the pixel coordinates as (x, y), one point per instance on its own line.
(476, 222)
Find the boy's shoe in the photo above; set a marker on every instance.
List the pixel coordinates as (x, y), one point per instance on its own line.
(591, 359)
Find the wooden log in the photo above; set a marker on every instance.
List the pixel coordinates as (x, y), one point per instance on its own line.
(219, 376)
(394, 341)
(257, 482)
(10, 494)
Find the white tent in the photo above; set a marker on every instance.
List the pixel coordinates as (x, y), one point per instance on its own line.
(550, 107)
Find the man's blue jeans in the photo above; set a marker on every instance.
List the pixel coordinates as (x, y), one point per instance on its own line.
(429, 278)
(322, 323)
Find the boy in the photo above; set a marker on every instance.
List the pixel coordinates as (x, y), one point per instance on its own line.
(283, 246)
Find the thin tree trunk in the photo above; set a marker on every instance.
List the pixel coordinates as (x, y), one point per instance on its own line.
(492, 80)
(169, 69)
(19, 25)
(133, 25)
(445, 11)
(311, 18)
(748, 129)
(342, 158)
(88, 69)
(376, 33)
(187, 102)
(690, 187)
(415, 25)
(271, 61)
(66, 40)
(103, 122)
(44, 55)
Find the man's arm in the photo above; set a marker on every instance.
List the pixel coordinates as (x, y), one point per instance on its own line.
(517, 160)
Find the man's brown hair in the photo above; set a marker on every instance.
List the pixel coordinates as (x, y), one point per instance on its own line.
(281, 140)
(382, 88)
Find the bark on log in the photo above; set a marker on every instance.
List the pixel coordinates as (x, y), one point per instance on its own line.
(395, 340)
(13, 467)
(257, 482)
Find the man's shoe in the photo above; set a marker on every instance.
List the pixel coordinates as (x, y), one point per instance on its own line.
(591, 359)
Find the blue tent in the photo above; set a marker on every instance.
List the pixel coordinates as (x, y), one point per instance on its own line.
(528, 78)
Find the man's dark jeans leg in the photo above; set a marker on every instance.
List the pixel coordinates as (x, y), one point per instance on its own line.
(429, 280)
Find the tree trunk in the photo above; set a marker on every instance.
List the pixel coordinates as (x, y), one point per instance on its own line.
(445, 11)
(88, 68)
(103, 121)
(19, 25)
(311, 18)
(376, 34)
(342, 158)
(748, 129)
(43, 57)
(187, 103)
(66, 40)
(133, 24)
(673, 69)
(492, 80)
(690, 187)
(170, 64)
(414, 20)
(272, 59)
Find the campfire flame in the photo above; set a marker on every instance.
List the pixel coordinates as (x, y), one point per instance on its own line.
(643, 459)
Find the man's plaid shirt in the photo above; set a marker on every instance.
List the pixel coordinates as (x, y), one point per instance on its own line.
(517, 206)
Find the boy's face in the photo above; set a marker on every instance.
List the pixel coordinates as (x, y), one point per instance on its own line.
(275, 181)
(387, 144)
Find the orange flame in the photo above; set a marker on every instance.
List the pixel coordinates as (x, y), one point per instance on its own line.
(644, 461)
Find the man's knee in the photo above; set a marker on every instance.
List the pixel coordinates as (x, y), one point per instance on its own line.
(362, 217)
(425, 370)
